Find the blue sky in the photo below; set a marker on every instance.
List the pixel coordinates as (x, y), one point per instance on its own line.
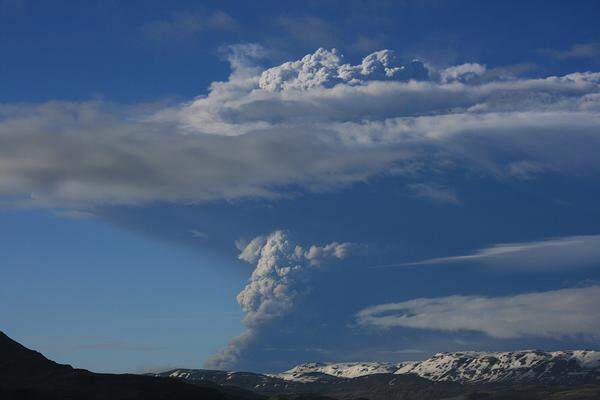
(180, 187)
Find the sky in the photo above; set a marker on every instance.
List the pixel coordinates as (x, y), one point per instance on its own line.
(253, 185)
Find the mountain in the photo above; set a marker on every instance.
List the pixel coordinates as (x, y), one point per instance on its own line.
(376, 386)
(28, 375)
(384, 386)
(528, 374)
(528, 366)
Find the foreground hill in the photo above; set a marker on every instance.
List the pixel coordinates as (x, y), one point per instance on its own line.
(27, 374)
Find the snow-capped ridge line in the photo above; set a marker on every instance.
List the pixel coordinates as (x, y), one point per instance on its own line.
(469, 367)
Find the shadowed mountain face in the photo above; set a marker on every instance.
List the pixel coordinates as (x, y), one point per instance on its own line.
(27, 374)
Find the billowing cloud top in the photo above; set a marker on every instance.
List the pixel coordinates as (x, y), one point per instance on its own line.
(324, 69)
(316, 123)
(282, 275)
(283, 269)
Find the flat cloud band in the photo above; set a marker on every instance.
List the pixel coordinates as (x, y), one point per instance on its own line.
(552, 314)
(325, 125)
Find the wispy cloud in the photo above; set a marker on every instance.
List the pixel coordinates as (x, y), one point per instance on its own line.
(433, 192)
(526, 170)
(199, 234)
(569, 251)
(553, 314)
(579, 50)
(74, 214)
(183, 24)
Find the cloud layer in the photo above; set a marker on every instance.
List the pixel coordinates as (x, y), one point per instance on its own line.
(282, 276)
(316, 123)
(553, 314)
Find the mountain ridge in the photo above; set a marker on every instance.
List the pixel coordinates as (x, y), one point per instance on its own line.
(27, 375)
(558, 367)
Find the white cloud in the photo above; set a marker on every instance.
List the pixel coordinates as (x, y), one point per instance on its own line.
(317, 123)
(85, 154)
(283, 272)
(324, 69)
(251, 252)
(433, 192)
(198, 234)
(563, 252)
(462, 73)
(243, 59)
(526, 169)
(320, 89)
(553, 314)
(317, 255)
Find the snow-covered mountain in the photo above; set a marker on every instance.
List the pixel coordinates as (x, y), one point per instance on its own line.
(470, 367)
(519, 375)
(310, 372)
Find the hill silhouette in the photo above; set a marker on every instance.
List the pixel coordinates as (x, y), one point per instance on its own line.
(28, 375)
